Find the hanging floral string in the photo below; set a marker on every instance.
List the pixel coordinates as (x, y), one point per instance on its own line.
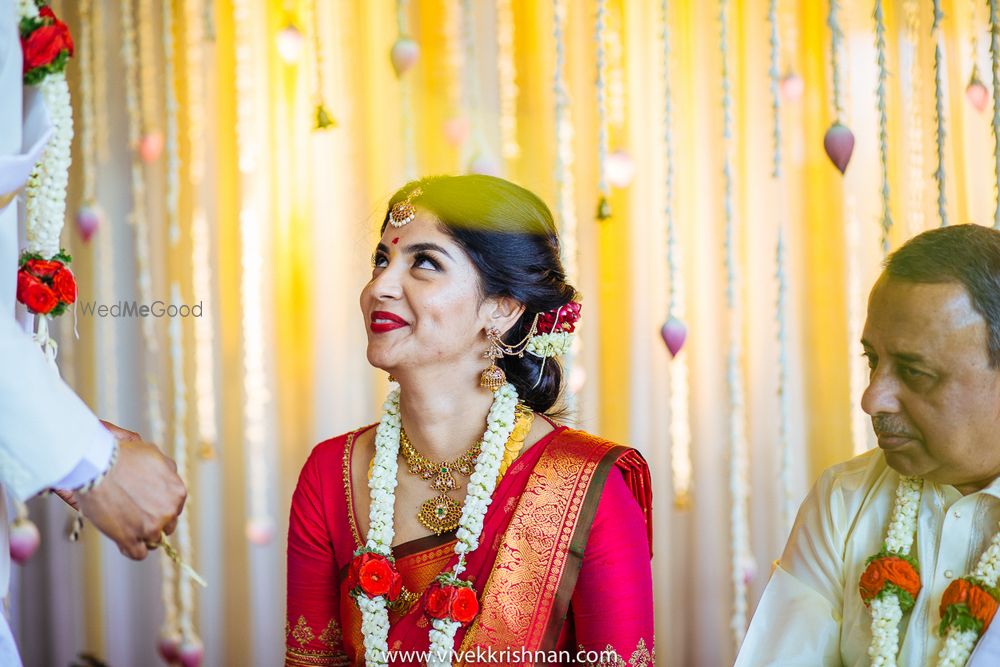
(680, 427)
(780, 305)
(190, 642)
(838, 140)
(774, 75)
(151, 144)
(975, 91)
(260, 524)
(939, 134)
(912, 88)
(98, 68)
(995, 66)
(322, 118)
(172, 148)
(741, 567)
(883, 124)
(404, 54)
(603, 205)
(565, 211)
(507, 81)
(201, 261)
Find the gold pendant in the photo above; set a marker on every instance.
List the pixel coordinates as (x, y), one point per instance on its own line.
(440, 514)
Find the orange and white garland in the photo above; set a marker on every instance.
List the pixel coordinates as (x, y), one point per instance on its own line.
(891, 583)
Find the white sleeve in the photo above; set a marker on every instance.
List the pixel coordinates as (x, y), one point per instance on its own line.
(798, 619)
(46, 431)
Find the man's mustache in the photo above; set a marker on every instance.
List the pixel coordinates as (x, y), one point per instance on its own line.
(893, 425)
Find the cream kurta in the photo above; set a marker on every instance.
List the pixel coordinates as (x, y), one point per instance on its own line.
(811, 612)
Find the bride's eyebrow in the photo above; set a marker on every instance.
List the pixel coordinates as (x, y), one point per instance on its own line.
(415, 248)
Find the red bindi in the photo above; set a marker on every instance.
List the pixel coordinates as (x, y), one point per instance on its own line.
(395, 241)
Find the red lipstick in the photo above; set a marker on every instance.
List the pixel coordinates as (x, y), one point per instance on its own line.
(383, 321)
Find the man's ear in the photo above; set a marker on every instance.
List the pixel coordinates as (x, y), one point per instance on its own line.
(502, 313)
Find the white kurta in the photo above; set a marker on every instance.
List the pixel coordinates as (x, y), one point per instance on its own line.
(48, 435)
(811, 612)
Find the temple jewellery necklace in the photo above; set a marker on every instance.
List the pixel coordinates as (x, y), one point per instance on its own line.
(441, 513)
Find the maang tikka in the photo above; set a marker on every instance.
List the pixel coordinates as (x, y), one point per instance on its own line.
(403, 212)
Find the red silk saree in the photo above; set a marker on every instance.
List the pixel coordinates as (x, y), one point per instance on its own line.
(563, 566)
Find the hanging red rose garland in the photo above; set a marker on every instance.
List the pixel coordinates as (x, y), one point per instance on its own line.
(45, 283)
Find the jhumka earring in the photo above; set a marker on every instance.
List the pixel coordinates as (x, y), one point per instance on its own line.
(403, 212)
(493, 377)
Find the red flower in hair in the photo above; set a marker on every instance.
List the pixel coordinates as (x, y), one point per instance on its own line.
(560, 320)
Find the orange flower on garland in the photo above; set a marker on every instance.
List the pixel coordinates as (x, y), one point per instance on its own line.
(968, 604)
(891, 575)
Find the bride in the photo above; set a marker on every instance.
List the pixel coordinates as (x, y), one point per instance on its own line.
(469, 523)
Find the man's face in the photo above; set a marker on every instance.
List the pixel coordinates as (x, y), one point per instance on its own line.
(932, 395)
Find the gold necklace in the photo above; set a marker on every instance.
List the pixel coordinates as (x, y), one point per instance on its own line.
(442, 513)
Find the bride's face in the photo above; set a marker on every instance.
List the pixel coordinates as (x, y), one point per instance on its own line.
(422, 306)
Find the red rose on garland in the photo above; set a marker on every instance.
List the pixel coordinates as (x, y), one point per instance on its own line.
(464, 606)
(64, 285)
(456, 602)
(956, 593)
(438, 604)
(374, 574)
(36, 295)
(968, 603)
(46, 286)
(47, 45)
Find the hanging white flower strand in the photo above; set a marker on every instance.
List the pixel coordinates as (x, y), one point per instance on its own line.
(995, 67)
(201, 280)
(912, 100)
(565, 211)
(673, 329)
(939, 134)
(404, 55)
(742, 565)
(507, 81)
(600, 25)
(781, 280)
(883, 123)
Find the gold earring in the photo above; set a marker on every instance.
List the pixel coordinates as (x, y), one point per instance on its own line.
(493, 377)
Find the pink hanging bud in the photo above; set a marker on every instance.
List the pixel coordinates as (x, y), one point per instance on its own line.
(24, 540)
(839, 144)
(792, 86)
(977, 93)
(151, 147)
(404, 54)
(191, 653)
(168, 646)
(674, 332)
(88, 219)
(456, 130)
(260, 531)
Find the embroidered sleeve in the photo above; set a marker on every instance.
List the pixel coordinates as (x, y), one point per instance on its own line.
(615, 582)
(312, 628)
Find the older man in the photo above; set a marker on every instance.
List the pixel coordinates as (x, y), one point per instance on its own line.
(48, 436)
(932, 340)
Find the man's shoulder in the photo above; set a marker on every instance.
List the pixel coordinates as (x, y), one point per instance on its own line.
(850, 484)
